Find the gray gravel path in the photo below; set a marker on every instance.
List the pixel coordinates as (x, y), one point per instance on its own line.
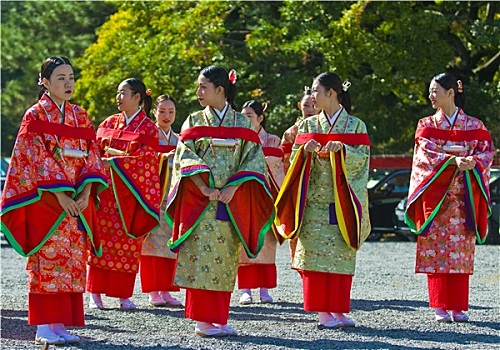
(389, 303)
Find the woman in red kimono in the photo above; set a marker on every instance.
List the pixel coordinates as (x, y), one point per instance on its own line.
(448, 203)
(130, 208)
(49, 202)
(158, 262)
(260, 272)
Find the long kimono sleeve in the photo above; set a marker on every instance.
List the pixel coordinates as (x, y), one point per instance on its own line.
(137, 184)
(30, 211)
(433, 173)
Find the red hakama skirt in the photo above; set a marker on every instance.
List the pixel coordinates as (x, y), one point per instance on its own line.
(65, 308)
(111, 283)
(157, 274)
(257, 276)
(326, 292)
(207, 305)
(449, 291)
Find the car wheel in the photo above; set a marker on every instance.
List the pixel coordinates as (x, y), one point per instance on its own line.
(374, 236)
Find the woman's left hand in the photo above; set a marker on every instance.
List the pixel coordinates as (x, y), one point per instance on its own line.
(227, 193)
(333, 146)
(82, 199)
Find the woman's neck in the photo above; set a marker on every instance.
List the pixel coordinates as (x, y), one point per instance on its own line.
(449, 111)
(131, 112)
(334, 107)
(165, 129)
(219, 105)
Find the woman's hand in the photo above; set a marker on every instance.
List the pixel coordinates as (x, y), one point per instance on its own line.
(311, 146)
(82, 199)
(67, 203)
(334, 146)
(227, 193)
(465, 163)
(211, 193)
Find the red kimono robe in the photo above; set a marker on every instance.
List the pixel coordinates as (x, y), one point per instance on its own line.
(449, 208)
(33, 220)
(130, 207)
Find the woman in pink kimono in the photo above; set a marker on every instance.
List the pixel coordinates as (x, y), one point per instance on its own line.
(448, 203)
(261, 271)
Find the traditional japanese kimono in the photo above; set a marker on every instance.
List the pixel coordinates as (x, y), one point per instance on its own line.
(287, 142)
(324, 202)
(449, 208)
(158, 262)
(55, 151)
(260, 272)
(208, 235)
(130, 207)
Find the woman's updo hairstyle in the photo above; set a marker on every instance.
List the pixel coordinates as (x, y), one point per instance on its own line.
(448, 81)
(138, 87)
(332, 81)
(162, 98)
(220, 77)
(258, 108)
(47, 69)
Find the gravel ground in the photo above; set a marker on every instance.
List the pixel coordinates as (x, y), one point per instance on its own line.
(389, 303)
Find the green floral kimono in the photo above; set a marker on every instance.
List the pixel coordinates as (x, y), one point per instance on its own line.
(321, 246)
(208, 234)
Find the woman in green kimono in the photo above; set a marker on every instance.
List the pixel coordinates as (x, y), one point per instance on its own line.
(324, 202)
(219, 200)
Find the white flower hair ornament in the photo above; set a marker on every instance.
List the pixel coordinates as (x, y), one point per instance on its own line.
(40, 82)
(346, 85)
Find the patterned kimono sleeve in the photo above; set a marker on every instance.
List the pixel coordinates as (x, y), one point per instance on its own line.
(93, 169)
(483, 153)
(34, 167)
(357, 158)
(426, 156)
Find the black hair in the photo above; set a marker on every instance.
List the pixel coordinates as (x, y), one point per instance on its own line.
(47, 69)
(162, 98)
(219, 77)
(138, 87)
(448, 81)
(332, 81)
(258, 108)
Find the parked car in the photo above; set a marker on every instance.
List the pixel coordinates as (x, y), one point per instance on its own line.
(403, 230)
(386, 188)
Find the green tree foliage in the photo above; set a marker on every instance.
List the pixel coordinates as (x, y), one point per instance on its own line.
(31, 32)
(388, 50)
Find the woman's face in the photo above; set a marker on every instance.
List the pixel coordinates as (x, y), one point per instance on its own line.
(254, 118)
(439, 96)
(61, 84)
(306, 106)
(165, 114)
(208, 94)
(126, 99)
(320, 96)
